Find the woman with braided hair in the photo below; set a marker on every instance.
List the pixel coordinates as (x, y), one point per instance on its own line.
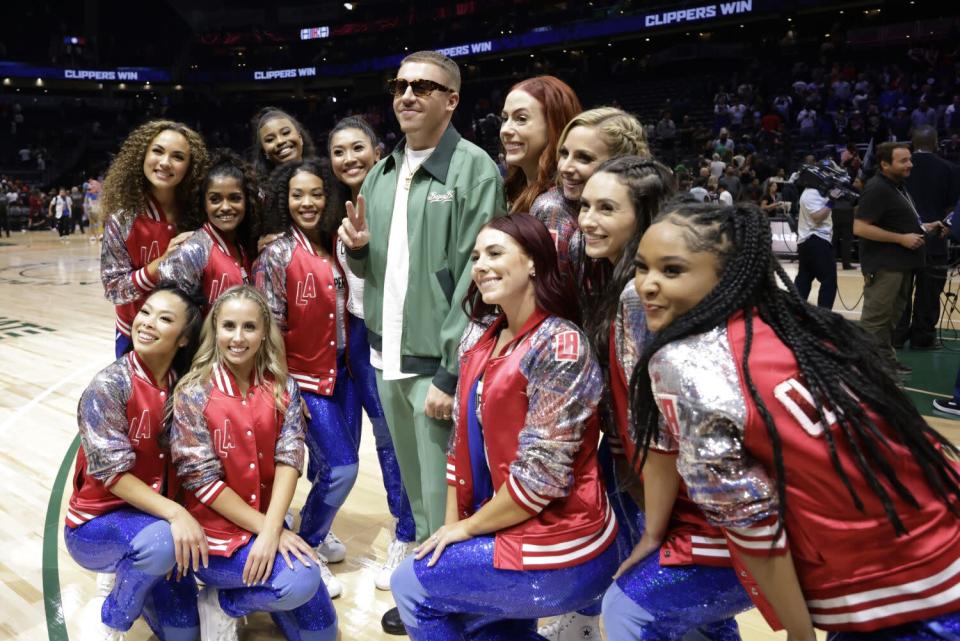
(588, 140)
(792, 437)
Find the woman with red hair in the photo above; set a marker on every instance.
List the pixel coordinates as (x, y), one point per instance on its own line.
(528, 531)
(534, 113)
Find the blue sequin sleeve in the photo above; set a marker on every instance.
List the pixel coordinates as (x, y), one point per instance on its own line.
(102, 419)
(289, 450)
(564, 384)
(270, 277)
(191, 448)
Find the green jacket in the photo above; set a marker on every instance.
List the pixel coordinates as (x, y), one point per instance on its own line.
(454, 193)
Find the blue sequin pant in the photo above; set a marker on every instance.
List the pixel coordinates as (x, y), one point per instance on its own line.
(333, 437)
(464, 597)
(365, 378)
(296, 599)
(139, 549)
(662, 603)
(943, 628)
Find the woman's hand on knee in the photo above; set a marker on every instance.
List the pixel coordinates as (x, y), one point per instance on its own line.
(644, 548)
(437, 543)
(189, 543)
(290, 543)
(259, 563)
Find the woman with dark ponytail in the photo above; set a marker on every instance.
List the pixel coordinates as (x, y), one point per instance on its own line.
(792, 437)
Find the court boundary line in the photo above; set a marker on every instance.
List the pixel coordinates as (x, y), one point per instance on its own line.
(52, 601)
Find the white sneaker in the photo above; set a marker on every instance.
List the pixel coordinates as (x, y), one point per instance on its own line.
(572, 627)
(332, 583)
(92, 627)
(397, 551)
(215, 624)
(332, 549)
(105, 583)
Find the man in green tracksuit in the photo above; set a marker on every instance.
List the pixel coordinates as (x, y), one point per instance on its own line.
(410, 238)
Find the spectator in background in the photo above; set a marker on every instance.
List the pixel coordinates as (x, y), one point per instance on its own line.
(724, 197)
(815, 248)
(724, 142)
(951, 115)
(772, 199)
(923, 115)
(77, 212)
(60, 208)
(933, 189)
(731, 182)
(891, 246)
(666, 134)
(807, 121)
(717, 166)
(4, 220)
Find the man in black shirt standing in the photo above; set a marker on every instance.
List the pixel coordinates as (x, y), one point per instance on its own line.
(933, 186)
(891, 245)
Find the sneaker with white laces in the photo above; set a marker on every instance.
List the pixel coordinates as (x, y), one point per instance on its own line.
(92, 627)
(332, 549)
(397, 551)
(332, 583)
(105, 583)
(572, 627)
(215, 624)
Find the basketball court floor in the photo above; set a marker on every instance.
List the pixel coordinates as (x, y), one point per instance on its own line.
(56, 332)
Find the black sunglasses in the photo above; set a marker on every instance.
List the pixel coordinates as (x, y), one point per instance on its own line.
(421, 88)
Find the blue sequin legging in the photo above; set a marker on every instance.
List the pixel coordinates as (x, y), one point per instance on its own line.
(943, 628)
(296, 599)
(365, 379)
(662, 603)
(139, 549)
(464, 597)
(333, 434)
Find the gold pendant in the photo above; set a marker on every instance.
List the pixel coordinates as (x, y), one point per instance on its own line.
(407, 181)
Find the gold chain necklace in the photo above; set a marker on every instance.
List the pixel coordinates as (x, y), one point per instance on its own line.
(409, 178)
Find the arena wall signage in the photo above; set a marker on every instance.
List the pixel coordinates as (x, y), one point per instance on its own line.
(117, 74)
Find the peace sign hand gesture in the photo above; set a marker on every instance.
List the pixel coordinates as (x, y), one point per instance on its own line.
(353, 230)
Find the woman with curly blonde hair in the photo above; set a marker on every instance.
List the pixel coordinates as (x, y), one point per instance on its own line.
(236, 441)
(152, 185)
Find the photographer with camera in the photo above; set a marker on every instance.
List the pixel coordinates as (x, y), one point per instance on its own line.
(951, 406)
(891, 245)
(815, 252)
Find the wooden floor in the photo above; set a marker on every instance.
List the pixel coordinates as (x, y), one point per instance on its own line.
(56, 332)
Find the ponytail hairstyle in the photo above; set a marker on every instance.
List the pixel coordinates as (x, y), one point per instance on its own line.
(559, 103)
(227, 163)
(829, 350)
(261, 164)
(648, 183)
(552, 290)
(271, 361)
(277, 219)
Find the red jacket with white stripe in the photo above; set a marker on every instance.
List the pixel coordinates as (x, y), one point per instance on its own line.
(538, 412)
(690, 538)
(206, 258)
(301, 291)
(855, 572)
(130, 243)
(221, 439)
(121, 431)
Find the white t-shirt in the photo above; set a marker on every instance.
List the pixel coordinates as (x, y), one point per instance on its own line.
(812, 201)
(396, 277)
(725, 198)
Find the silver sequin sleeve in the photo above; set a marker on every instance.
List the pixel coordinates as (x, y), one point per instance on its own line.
(185, 264)
(562, 394)
(289, 450)
(697, 387)
(102, 419)
(630, 334)
(191, 448)
(116, 266)
(270, 277)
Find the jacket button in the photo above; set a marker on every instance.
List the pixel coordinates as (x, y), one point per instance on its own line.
(332, 371)
(259, 454)
(161, 454)
(333, 343)
(163, 394)
(666, 553)
(249, 433)
(754, 592)
(331, 315)
(462, 482)
(252, 466)
(243, 402)
(156, 486)
(253, 497)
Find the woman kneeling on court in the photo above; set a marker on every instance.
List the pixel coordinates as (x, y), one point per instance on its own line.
(528, 530)
(237, 444)
(120, 521)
